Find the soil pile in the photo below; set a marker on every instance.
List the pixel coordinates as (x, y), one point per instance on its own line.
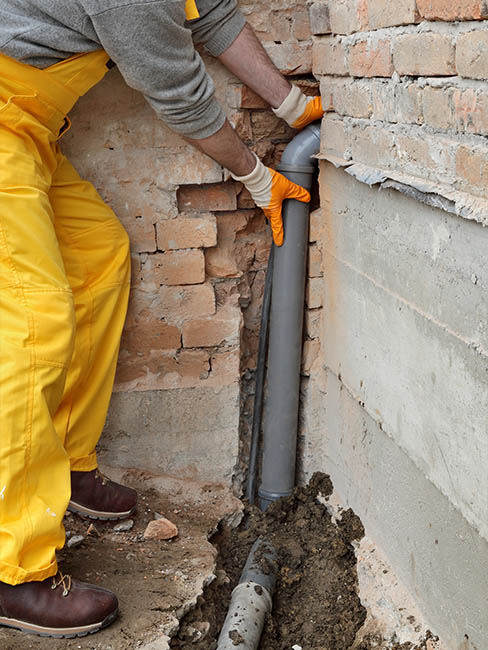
(316, 605)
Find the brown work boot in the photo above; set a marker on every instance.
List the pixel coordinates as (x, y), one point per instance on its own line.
(97, 497)
(58, 607)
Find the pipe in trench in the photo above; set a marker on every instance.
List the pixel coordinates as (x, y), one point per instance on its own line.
(252, 598)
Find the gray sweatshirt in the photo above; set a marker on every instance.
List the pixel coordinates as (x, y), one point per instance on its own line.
(150, 41)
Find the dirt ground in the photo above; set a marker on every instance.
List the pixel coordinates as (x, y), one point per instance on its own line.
(316, 605)
(155, 581)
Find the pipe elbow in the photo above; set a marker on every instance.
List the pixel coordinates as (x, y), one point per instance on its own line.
(298, 155)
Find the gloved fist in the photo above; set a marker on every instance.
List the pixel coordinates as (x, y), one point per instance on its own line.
(269, 189)
(298, 110)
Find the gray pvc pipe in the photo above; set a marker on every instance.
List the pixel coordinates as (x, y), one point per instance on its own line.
(251, 600)
(286, 325)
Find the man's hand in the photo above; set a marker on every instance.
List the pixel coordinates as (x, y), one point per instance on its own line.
(269, 189)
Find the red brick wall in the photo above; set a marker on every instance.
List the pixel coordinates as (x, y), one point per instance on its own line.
(405, 86)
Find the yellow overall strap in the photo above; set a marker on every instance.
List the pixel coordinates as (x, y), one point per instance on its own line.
(191, 10)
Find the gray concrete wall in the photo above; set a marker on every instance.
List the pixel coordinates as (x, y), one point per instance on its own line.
(185, 432)
(398, 406)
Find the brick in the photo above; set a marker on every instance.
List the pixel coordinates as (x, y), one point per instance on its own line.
(177, 267)
(221, 329)
(278, 26)
(353, 98)
(453, 9)
(427, 156)
(314, 262)
(221, 261)
(394, 102)
(327, 87)
(225, 367)
(408, 103)
(415, 155)
(333, 137)
(240, 96)
(245, 200)
(329, 57)
(164, 370)
(424, 54)
(363, 15)
(311, 351)
(472, 169)
(207, 198)
(437, 108)
(291, 58)
(187, 233)
(180, 303)
(316, 224)
(383, 98)
(148, 334)
(314, 292)
(470, 110)
(146, 328)
(371, 59)
(265, 124)
(373, 146)
(343, 16)
(142, 234)
(385, 13)
(241, 121)
(472, 55)
(319, 18)
(183, 370)
(313, 323)
(301, 25)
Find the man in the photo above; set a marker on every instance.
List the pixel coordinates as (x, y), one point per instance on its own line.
(64, 260)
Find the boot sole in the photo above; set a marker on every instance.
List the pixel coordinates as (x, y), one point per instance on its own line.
(58, 632)
(88, 513)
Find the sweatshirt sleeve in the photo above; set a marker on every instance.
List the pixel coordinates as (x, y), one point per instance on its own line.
(152, 45)
(220, 23)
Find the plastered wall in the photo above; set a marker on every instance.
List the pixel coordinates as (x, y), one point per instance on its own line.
(396, 403)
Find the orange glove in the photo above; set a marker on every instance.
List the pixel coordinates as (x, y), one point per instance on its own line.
(298, 110)
(269, 189)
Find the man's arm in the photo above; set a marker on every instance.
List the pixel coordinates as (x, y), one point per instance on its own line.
(226, 148)
(249, 61)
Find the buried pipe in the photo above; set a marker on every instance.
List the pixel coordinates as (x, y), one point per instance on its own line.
(251, 600)
(286, 325)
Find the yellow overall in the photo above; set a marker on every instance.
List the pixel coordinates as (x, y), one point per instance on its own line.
(64, 285)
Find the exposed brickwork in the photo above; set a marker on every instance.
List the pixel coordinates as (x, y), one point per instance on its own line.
(411, 97)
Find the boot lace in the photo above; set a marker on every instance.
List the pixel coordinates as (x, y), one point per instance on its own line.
(64, 580)
(98, 474)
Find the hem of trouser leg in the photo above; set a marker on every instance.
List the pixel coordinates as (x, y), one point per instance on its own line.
(16, 576)
(84, 464)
